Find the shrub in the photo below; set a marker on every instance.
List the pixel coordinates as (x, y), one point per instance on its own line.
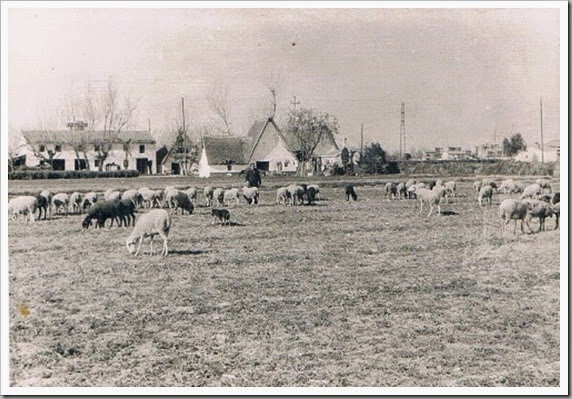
(68, 174)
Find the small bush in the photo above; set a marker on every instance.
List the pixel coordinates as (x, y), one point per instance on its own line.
(68, 174)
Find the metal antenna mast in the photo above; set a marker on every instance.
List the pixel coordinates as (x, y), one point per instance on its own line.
(402, 139)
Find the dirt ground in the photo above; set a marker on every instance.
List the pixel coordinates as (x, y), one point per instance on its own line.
(361, 294)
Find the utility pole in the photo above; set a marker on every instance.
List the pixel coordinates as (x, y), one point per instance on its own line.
(541, 132)
(294, 103)
(402, 140)
(184, 133)
(149, 124)
(361, 141)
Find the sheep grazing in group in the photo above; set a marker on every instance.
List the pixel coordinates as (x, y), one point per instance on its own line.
(477, 186)
(251, 195)
(316, 190)
(23, 205)
(133, 195)
(350, 192)
(209, 194)
(48, 196)
(88, 200)
(112, 195)
(450, 189)
(310, 195)
(430, 197)
(556, 210)
(430, 184)
(179, 199)
(221, 215)
(75, 200)
(532, 191)
(509, 186)
(126, 212)
(539, 209)
(218, 196)
(150, 198)
(155, 222)
(60, 202)
(440, 182)
(283, 196)
(401, 190)
(513, 209)
(101, 211)
(231, 195)
(191, 192)
(485, 195)
(544, 184)
(490, 182)
(556, 198)
(296, 194)
(42, 206)
(391, 190)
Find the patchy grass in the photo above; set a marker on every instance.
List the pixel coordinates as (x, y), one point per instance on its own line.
(362, 293)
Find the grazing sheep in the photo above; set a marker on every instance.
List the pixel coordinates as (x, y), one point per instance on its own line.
(430, 184)
(251, 195)
(209, 194)
(101, 211)
(431, 197)
(532, 191)
(539, 209)
(191, 192)
(513, 209)
(544, 184)
(391, 190)
(485, 194)
(222, 215)
(556, 210)
(296, 194)
(311, 196)
(126, 212)
(440, 190)
(42, 205)
(218, 196)
(133, 195)
(179, 199)
(48, 195)
(556, 198)
(75, 201)
(150, 198)
(283, 196)
(477, 186)
(490, 182)
(350, 192)
(155, 222)
(230, 196)
(401, 190)
(450, 189)
(316, 189)
(88, 200)
(112, 196)
(60, 201)
(23, 205)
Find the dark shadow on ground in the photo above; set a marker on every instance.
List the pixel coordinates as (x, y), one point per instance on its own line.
(448, 213)
(187, 252)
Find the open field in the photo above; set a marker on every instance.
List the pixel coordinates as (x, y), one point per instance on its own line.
(362, 293)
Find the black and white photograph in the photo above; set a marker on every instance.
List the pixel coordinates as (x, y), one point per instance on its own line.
(284, 198)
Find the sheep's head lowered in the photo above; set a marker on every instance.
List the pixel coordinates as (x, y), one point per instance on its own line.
(86, 222)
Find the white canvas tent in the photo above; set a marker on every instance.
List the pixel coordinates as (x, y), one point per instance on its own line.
(204, 168)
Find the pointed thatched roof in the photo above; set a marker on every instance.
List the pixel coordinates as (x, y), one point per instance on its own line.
(222, 149)
(265, 137)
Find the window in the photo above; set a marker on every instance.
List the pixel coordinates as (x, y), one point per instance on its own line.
(96, 163)
(42, 148)
(58, 147)
(141, 149)
(96, 148)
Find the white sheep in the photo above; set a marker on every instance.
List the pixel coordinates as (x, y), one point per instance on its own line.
(150, 198)
(408, 185)
(401, 190)
(60, 201)
(209, 193)
(485, 194)
(88, 200)
(431, 197)
(23, 205)
(251, 195)
(544, 184)
(283, 196)
(134, 196)
(75, 200)
(450, 189)
(532, 191)
(112, 195)
(513, 209)
(155, 222)
(477, 186)
(191, 192)
(296, 194)
(439, 182)
(230, 196)
(218, 196)
(391, 190)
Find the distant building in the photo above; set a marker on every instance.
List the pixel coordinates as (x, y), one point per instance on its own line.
(180, 157)
(223, 154)
(77, 147)
(270, 150)
(489, 151)
(533, 153)
(448, 153)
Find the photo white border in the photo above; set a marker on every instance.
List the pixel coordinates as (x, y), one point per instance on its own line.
(4, 349)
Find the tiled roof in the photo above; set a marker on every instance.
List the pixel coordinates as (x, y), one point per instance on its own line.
(68, 136)
(226, 148)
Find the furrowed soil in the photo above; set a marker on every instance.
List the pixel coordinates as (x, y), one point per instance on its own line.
(363, 294)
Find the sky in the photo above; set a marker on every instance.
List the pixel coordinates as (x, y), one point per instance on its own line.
(463, 74)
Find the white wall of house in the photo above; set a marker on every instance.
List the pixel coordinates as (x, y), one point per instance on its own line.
(280, 159)
(533, 154)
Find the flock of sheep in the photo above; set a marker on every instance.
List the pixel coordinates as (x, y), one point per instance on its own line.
(121, 207)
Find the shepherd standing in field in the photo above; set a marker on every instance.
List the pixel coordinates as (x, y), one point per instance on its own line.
(253, 176)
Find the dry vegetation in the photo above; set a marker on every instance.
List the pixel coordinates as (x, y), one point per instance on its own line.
(337, 294)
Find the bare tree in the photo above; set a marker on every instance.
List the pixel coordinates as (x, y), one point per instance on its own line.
(218, 100)
(15, 144)
(44, 143)
(273, 84)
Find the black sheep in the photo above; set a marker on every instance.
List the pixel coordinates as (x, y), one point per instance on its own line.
(101, 211)
(126, 212)
(42, 204)
(311, 195)
(556, 198)
(350, 192)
